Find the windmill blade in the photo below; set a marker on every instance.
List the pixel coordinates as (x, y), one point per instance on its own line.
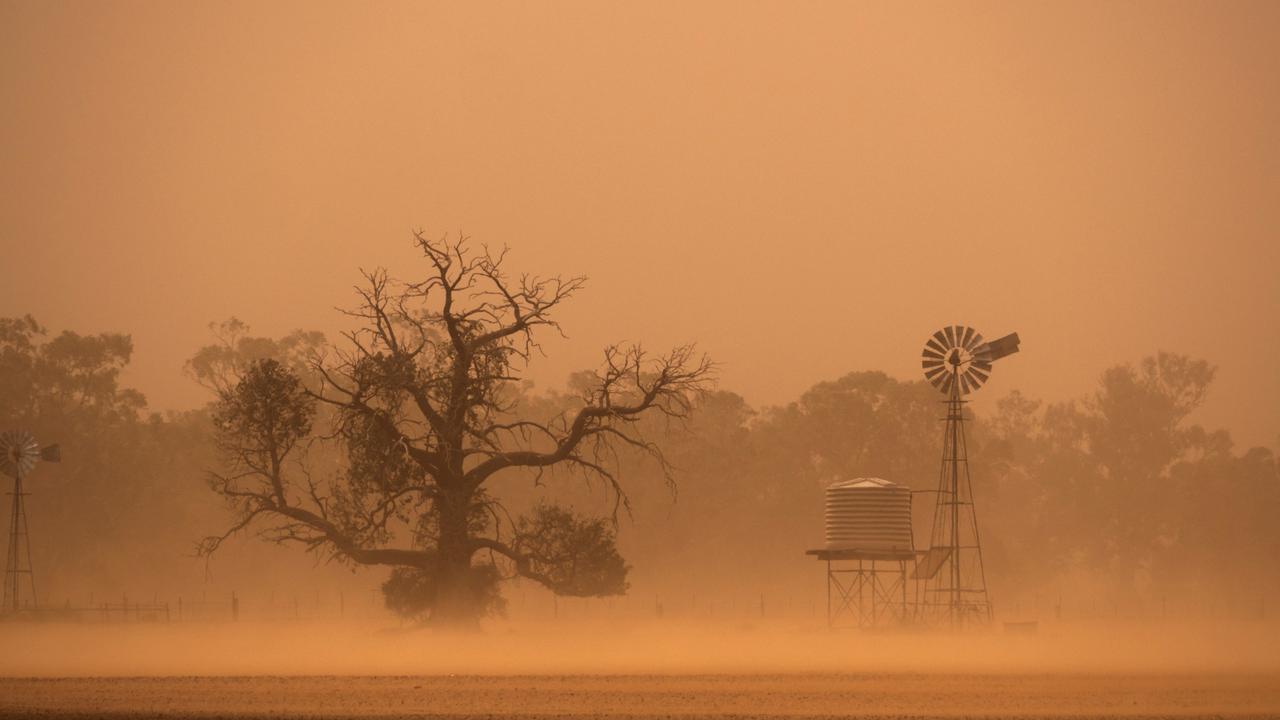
(950, 330)
(935, 346)
(974, 343)
(929, 364)
(964, 384)
(978, 373)
(967, 337)
(929, 352)
(935, 375)
(974, 378)
(949, 383)
(941, 339)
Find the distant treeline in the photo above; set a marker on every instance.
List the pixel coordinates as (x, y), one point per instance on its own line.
(1114, 495)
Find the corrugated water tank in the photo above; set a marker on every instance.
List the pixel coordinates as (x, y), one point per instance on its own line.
(868, 514)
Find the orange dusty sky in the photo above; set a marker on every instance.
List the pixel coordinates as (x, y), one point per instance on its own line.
(803, 188)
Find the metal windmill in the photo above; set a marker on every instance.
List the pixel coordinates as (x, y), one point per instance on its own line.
(19, 453)
(957, 361)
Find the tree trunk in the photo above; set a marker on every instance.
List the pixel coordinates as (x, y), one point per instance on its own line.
(456, 605)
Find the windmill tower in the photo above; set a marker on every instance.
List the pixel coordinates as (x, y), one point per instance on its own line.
(19, 452)
(953, 585)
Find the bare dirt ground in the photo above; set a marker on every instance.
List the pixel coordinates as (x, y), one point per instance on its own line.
(654, 670)
(865, 695)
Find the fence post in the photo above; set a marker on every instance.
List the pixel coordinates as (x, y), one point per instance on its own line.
(235, 607)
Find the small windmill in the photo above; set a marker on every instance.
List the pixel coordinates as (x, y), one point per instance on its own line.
(957, 361)
(19, 453)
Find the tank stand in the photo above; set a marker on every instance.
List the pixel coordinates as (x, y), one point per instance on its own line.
(866, 590)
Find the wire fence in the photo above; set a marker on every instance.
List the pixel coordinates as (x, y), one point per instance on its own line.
(524, 602)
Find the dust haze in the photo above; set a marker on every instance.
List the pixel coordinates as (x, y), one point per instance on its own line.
(524, 342)
(833, 179)
(613, 646)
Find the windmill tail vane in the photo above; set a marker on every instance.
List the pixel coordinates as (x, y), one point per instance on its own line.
(1001, 347)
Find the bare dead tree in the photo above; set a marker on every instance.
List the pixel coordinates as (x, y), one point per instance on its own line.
(420, 399)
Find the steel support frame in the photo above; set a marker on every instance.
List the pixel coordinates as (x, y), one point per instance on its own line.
(956, 595)
(19, 550)
(864, 593)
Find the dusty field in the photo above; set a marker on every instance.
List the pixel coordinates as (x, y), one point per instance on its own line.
(657, 670)
(649, 696)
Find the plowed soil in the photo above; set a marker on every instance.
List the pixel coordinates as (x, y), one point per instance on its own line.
(864, 695)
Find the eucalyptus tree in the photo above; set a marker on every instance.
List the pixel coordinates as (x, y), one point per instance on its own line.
(420, 398)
